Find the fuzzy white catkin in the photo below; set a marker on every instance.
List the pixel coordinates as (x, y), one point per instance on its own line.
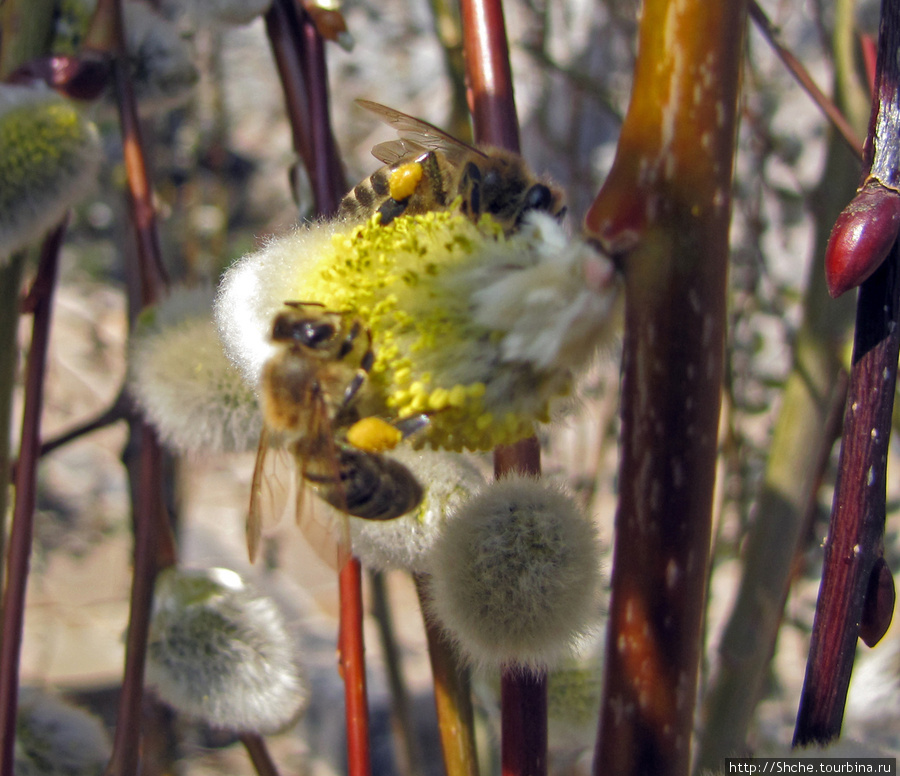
(447, 480)
(160, 60)
(54, 738)
(184, 383)
(516, 575)
(221, 652)
(49, 159)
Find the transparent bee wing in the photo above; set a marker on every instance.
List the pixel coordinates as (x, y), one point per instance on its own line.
(271, 491)
(419, 133)
(325, 528)
(394, 151)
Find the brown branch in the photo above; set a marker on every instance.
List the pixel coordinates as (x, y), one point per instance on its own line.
(259, 754)
(664, 212)
(26, 490)
(411, 760)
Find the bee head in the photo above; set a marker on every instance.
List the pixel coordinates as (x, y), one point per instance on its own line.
(505, 189)
(314, 332)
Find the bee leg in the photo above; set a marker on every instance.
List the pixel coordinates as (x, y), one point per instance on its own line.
(470, 188)
(391, 209)
(365, 363)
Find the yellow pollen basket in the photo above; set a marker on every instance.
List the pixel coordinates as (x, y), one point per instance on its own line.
(373, 435)
(404, 179)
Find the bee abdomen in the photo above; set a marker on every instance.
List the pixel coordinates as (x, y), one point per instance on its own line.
(373, 487)
(364, 198)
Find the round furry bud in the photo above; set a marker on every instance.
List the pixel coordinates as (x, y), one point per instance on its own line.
(54, 738)
(49, 158)
(447, 480)
(183, 381)
(160, 60)
(221, 652)
(515, 574)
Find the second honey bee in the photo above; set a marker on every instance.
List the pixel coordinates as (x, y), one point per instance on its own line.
(426, 169)
(310, 388)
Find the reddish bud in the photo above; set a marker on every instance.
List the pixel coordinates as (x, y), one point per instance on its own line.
(861, 238)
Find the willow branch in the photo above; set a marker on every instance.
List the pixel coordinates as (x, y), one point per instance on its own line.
(856, 595)
(664, 212)
(26, 491)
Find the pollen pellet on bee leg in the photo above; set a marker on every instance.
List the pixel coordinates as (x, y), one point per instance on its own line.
(404, 179)
(373, 435)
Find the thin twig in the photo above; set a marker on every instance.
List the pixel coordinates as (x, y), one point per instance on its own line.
(452, 694)
(26, 488)
(802, 76)
(259, 754)
(411, 760)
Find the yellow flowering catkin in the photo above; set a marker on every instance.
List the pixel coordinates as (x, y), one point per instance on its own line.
(479, 330)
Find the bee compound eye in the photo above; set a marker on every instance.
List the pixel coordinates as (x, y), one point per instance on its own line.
(538, 197)
(314, 333)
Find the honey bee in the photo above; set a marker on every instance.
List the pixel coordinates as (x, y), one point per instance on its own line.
(310, 388)
(427, 169)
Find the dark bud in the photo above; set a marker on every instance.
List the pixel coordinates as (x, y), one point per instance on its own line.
(878, 608)
(80, 78)
(862, 237)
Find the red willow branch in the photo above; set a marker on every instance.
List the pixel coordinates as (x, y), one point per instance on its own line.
(664, 213)
(856, 596)
(40, 302)
(523, 694)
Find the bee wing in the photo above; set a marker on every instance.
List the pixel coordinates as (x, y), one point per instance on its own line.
(271, 490)
(415, 136)
(325, 528)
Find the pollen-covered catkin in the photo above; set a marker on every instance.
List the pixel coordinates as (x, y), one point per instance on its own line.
(221, 652)
(480, 330)
(184, 383)
(516, 575)
(49, 158)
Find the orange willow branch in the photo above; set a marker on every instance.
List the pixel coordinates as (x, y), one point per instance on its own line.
(26, 488)
(664, 213)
